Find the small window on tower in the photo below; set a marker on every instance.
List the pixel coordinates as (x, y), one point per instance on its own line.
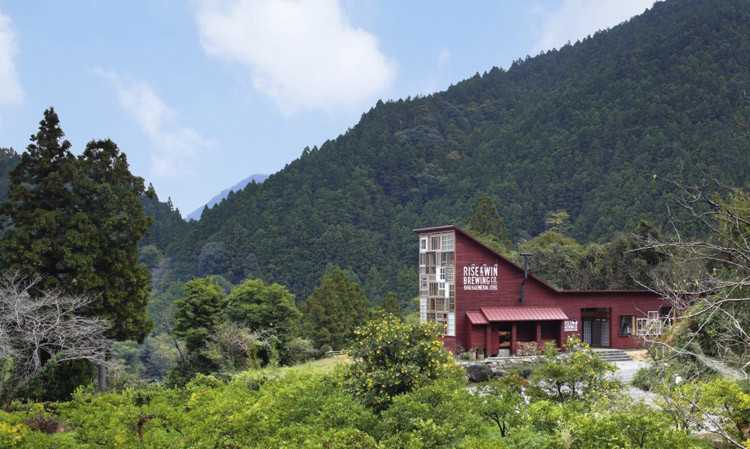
(435, 243)
(423, 244)
(447, 242)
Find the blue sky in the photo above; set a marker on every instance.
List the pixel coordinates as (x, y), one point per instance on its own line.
(200, 94)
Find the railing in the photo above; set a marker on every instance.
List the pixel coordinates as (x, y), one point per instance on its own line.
(652, 326)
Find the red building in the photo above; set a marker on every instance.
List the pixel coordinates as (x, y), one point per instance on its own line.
(486, 301)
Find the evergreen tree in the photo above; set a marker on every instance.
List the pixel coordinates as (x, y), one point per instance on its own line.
(38, 214)
(77, 223)
(336, 306)
(197, 316)
(390, 305)
(485, 223)
(109, 194)
(263, 307)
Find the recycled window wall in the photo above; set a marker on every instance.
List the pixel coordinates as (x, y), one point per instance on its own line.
(437, 289)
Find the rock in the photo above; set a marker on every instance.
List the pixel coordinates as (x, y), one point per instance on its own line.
(526, 373)
(478, 372)
(498, 373)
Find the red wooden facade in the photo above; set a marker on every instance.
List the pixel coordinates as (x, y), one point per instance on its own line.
(485, 311)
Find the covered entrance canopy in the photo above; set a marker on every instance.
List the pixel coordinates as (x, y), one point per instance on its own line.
(523, 313)
(498, 328)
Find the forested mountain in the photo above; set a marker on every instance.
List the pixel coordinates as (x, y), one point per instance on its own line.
(8, 160)
(196, 214)
(588, 129)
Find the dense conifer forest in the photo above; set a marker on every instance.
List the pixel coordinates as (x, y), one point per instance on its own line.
(589, 129)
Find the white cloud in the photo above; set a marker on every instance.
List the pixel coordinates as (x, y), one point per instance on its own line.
(10, 89)
(576, 19)
(303, 54)
(175, 144)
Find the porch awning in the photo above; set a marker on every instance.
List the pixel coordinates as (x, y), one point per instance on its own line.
(523, 313)
(476, 318)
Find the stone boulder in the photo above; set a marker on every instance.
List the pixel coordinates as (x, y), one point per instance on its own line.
(478, 372)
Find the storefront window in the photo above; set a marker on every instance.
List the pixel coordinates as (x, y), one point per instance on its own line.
(627, 325)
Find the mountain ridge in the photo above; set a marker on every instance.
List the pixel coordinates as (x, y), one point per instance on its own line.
(196, 214)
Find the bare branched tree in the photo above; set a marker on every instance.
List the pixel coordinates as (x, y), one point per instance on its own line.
(37, 325)
(708, 279)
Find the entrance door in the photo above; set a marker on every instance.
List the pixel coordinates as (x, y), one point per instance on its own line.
(596, 332)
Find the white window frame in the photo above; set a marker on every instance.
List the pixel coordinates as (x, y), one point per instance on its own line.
(451, 239)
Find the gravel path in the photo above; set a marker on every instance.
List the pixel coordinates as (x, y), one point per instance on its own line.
(625, 372)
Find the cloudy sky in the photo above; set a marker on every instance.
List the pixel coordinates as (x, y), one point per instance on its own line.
(200, 94)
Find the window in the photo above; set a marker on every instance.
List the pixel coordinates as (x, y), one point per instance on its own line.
(448, 274)
(427, 259)
(435, 243)
(446, 258)
(653, 315)
(423, 244)
(441, 274)
(447, 242)
(627, 325)
(667, 315)
(433, 289)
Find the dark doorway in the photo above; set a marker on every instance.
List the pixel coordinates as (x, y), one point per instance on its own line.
(595, 327)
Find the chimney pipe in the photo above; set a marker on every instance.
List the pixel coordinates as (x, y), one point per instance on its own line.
(525, 272)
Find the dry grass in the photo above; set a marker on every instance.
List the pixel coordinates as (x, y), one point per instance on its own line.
(638, 355)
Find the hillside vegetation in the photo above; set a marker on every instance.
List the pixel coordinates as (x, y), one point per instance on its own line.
(588, 129)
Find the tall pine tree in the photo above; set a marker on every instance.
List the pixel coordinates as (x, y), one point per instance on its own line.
(77, 222)
(334, 309)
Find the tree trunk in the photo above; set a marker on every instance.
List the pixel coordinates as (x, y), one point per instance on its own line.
(102, 371)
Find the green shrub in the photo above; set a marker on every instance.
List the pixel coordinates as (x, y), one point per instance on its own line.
(392, 357)
(437, 415)
(297, 351)
(578, 373)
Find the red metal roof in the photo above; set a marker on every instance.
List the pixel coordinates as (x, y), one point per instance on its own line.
(523, 313)
(476, 318)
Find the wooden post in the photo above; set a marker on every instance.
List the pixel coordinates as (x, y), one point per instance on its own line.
(539, 334)
(102, 375)
(487, 339)
(513, 338)
(560, 333)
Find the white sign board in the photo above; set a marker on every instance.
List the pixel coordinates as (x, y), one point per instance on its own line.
(571, 326)
(480, 278)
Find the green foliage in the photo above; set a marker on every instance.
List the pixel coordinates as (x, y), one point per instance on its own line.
(578, 373)
(56, 380)
(8, 160)
(307, 408)
(708, 405)
(336, 306)
(391, 305)
(502, 403)
(149, 256)
(438, 414)
(486, 223)
(263, 307)
(617, 265)
(197, 315)
(392, 358)
(558, 222)
(77, 222)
